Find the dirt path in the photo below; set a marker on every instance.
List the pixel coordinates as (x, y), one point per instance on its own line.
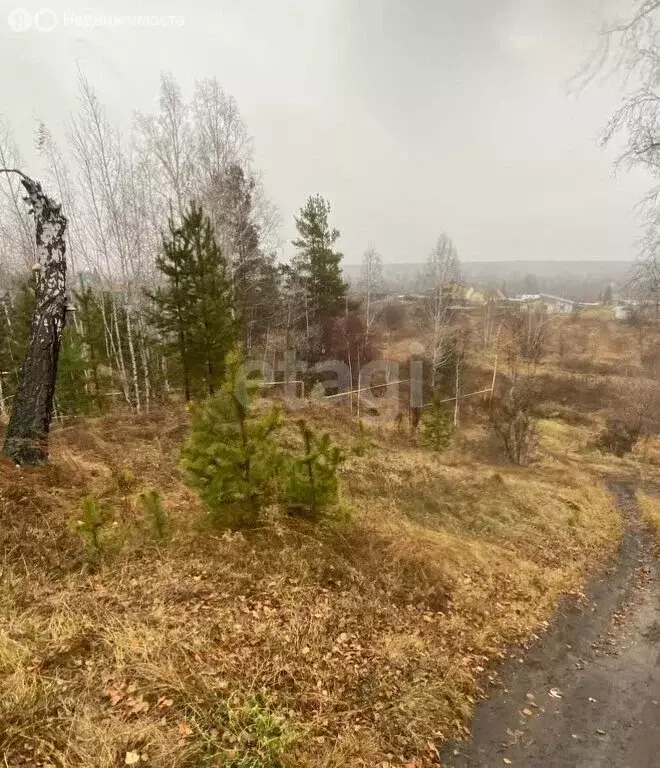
(603, 665)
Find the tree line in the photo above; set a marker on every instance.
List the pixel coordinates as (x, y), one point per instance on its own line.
(171, 264)
(198, 306)
(171, 254)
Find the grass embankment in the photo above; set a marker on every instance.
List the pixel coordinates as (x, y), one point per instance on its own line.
(360, 643)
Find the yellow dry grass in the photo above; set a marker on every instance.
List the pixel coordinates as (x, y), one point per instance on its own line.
(353, 644)
(650, 505)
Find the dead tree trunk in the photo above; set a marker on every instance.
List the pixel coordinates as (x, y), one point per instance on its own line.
(26, 441)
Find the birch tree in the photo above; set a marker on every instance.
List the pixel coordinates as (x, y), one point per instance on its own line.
(18, 247)
(442, 273)
(630, 50)
(371, 282)
(167, 137)
(109, 183)
(118, 188)
(26, 440)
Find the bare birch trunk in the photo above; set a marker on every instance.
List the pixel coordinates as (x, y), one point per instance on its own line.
(263, 365)
(131, 350)
(458, 392)
(163, 368)
(107, 336)
(120, 355)
(114, 357)
(3, 407)
(26, 441)
(11, 335)
(144, 359)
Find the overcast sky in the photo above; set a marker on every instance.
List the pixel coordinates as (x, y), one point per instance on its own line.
(411, 116)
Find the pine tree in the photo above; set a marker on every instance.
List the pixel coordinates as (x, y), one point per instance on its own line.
(437, 425)
(312, 483)
(21, 309)
(231, 457)
(72, 395)
(192, 310)
(317, 269)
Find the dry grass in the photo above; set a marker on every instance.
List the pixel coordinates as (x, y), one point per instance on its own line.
(650, 505)
(354, 644)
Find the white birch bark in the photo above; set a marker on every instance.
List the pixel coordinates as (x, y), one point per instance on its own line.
(26, 440)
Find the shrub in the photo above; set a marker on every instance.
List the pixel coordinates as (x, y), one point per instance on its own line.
(362, 442)
(513, 419)
(619, 436)
(124, 483)
(437, 426)
(94, 517)
(157, 514)
(231, 457)
(312, 483)
(394, 316)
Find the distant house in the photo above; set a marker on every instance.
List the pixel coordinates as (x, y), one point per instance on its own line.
(474, 297)
(624, 312)
(558, 305)
(493, 295)
(553, 305)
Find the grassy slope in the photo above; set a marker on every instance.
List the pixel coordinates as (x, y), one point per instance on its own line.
(356, 644)
(651, 511)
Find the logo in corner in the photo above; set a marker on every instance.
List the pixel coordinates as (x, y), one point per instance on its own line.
(19, 20)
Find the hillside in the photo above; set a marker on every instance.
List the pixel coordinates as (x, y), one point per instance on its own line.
(363, 640)
(353, 644)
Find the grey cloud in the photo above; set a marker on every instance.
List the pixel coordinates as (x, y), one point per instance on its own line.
(412, 117)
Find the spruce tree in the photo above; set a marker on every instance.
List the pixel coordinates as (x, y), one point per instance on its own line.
(317, 268)
(191, 310)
